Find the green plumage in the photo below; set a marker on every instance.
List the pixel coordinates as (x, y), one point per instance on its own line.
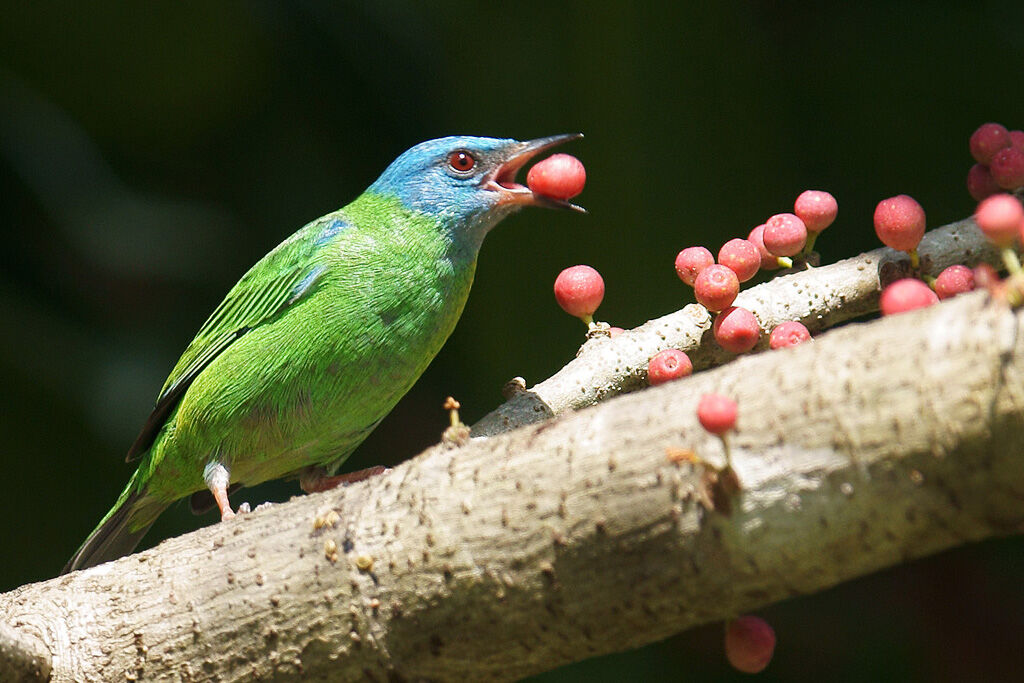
(321, 338)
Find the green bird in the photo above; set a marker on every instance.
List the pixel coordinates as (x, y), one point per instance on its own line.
(322, 337)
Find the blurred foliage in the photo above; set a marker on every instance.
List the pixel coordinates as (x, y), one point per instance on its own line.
(151, 152)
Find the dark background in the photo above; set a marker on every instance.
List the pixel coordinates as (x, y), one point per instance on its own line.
(151, 152)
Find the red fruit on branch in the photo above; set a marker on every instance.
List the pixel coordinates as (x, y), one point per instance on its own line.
(999, 217)
(668, 365)
(579, 290)
(988, 139)
(817, 209)
(692, 260)
(784, 234)
(1007, 168)
(749, 644)
(900, 222)
(954, 280)
(742, 257)
(788, 334)
(716, 287)
(906, 295)
(717, 413)
(736, 329)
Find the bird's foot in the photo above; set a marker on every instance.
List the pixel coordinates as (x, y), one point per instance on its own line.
(217, 480)
(314, 479)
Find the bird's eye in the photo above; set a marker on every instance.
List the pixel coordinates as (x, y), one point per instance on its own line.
(461, 162)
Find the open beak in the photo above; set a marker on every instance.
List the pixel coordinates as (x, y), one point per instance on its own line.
(503, 178)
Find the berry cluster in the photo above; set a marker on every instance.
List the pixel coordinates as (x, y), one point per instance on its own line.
(774, 244)
(900, 224)
(1000, 156)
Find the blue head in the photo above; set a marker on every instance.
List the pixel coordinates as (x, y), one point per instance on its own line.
(466, 183)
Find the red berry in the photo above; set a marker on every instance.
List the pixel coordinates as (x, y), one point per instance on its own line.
(906, 295)
(816, 209)
(987, 140)
(784, 234)
(716, 287)
(954, 280)
(717, 413)
(560, 176)
(579, 291)
(899, 222)
(980, 183)
(999, 217)
(756, 236)
(1017, 139)
(1007, 168)
(788, 334)
(749, 644)
(986, 277)
(691, 261)
(736, 329)
(741, 256)
(668, 365)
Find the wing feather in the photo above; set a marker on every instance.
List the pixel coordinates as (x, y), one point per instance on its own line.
(280, 279)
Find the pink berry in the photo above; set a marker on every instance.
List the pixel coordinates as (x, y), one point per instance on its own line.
(736, 329)
(954, 280)
(1017, 139)
(816, 209)
(716, 287)
(906, 295)
(899, 222)
(987, 140)
(1007, 168)
(749, 644)
(980, 183)
(716, 413)
(579, 290)
(999, 217)
(615, 332)
(691, 261)
(986, 277)
(560, 176)
(756, 236)
(668, 365)
(788, 334)
(741, 256)
(784, 234)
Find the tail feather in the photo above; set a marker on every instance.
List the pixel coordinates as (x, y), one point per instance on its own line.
(119, 532)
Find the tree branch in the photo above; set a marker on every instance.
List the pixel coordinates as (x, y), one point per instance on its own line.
(820, 298)
(585, 534)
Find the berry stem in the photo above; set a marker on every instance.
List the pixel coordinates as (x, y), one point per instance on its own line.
(915, 260)
(811, 238)
(784, 261)
(728, 454)
(1011, 261)
(588, 320)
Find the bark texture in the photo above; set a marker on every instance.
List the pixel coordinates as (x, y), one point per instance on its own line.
(585, 534)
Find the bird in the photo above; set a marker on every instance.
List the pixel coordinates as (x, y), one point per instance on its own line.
(318, 341)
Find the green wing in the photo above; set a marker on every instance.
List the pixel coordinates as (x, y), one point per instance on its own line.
(282, 277)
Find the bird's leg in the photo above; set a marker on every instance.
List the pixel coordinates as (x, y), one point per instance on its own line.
(217, 480)
(314, 478)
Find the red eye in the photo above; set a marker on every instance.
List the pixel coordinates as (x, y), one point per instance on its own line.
(461, 162)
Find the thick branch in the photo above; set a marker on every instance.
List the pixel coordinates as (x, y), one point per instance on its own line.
(874, 444)
(820, 298)
(23, 657)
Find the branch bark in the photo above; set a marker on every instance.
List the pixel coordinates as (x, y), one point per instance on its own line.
(584, 534)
